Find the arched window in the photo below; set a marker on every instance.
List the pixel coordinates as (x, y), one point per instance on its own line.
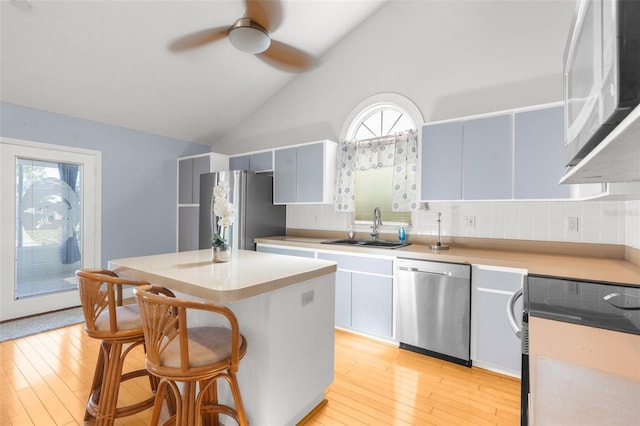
(374, 126)
(379, 120)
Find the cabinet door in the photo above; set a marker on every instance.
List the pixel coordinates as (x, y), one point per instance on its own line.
(496, 346)
(200, 165)
(372, 304)
(441, 162)
(261, 161)
(185, 181)
(188, 218)
(486, 158)
(343, 299)
(538, 145)
(310, 173)
(239, 163)
(284, 176)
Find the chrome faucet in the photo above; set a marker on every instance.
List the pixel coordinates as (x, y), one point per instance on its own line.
(377, 222)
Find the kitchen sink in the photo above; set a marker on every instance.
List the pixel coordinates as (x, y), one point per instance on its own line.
(368, 243)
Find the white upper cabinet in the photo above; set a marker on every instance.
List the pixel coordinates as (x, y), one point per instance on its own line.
(538, 157)
(512, 155)
(305, 173)
(189, 171)
(441, 161)
(486, 158)
(255, 162)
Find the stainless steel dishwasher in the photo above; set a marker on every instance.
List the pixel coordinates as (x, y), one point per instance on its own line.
(434, 309)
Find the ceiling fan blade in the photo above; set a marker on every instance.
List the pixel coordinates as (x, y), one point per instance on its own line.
(197, 39)
(267, 13)
(286, 58)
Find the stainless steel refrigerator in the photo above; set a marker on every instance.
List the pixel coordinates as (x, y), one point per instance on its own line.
(252, 196)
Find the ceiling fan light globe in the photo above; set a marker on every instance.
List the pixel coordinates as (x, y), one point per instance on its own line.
(249, 39)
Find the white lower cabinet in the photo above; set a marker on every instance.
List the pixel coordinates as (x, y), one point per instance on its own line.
(372, 304)
(494, 346)
(364, 289)
(364, 293)
(343, 299)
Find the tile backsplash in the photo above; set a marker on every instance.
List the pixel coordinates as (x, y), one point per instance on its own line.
(605, 222)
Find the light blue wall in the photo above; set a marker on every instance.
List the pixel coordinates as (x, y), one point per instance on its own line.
(138, 176)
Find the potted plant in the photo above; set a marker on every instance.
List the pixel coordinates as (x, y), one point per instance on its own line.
(225, 212)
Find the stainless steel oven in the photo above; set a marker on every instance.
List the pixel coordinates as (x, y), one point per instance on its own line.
(581, 353)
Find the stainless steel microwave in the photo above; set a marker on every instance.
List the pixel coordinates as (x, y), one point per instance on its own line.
(601, 72)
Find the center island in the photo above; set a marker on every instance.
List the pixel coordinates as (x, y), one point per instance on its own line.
(285, 308)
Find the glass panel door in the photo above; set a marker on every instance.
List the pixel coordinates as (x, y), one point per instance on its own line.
(49, 225)
(48, 231)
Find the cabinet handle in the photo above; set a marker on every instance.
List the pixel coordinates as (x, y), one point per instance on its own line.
(612, 297)
(511, 315)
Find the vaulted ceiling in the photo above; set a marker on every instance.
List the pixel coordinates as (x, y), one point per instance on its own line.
(110, 61)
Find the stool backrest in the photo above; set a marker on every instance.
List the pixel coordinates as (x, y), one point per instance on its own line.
(165, 325)
(105, 314)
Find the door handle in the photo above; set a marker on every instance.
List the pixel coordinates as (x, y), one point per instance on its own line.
(613, 297)
(511, 315)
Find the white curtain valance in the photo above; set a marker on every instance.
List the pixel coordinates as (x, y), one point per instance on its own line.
(399, 151)
(405, 166)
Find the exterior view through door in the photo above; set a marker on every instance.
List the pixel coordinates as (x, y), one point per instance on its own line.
(46, 219)
(48, 226)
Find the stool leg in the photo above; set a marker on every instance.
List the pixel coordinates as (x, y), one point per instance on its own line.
(110, 384)
(186, 414)
(96, 384)
(210, 395)
(237, 399)
(161, 395)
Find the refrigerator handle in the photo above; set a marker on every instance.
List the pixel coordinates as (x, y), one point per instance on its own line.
(511, 315)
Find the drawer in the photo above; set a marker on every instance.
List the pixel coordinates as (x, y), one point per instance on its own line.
(286, 251)
(501, 280)
(360, 264)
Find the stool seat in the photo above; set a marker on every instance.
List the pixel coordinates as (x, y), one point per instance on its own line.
(196, 357)
(207, 345)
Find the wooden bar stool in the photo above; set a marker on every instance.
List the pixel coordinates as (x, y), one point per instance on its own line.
(192, 356)
(119, 327)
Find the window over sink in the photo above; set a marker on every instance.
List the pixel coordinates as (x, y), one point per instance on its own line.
(378, 130)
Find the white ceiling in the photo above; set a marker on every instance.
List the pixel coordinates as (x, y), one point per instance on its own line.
(108, 61)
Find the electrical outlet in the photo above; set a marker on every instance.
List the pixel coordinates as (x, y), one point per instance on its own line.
(572, 224)
(469, 221)
(307, 297)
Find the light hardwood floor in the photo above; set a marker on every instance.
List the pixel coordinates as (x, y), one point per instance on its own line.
(44, 380)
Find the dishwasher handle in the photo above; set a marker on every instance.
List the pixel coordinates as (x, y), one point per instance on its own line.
(422, 271)
(511, 315)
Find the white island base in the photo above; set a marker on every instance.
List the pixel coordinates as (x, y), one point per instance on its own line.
(290, 353)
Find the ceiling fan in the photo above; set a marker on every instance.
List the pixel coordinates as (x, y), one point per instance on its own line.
(251, 34)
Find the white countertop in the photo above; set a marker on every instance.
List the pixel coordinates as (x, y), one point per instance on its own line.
(614, 270)
(247, 274)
